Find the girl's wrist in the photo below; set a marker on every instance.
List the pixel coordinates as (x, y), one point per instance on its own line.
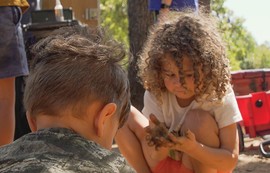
(193, 148)
(197, 148)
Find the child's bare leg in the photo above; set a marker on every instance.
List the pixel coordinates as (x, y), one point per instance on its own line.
(205, 128)
(129, 140)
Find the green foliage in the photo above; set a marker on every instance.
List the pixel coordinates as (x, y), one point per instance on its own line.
(240, 43)
(114, 18)
(263, 52)
(242, 49)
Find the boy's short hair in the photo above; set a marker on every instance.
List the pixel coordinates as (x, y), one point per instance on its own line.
(74, 67)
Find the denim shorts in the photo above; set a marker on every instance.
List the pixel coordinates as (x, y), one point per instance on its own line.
(13, 61)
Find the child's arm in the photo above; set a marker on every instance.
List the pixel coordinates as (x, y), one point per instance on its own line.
(129, 139)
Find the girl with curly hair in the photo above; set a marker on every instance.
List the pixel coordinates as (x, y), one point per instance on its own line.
(189, 101)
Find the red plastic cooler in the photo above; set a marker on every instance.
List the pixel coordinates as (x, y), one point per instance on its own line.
(248, 81)
(255, 110)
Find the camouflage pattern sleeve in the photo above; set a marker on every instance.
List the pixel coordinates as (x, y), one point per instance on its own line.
(59, 150)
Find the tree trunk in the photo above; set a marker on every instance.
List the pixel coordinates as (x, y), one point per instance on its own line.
(140, 19)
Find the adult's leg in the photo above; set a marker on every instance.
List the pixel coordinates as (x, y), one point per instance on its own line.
(7, 110)
(205, 128)
(13, 63)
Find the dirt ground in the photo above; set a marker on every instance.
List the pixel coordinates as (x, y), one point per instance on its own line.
(251, 160)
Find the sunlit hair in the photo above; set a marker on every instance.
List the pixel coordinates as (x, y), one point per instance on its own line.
(194, 35)
(74, 67)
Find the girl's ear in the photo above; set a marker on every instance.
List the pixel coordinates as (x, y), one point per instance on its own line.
(31, 122)
(104, 115)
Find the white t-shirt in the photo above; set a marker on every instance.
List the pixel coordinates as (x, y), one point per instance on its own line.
(173, 115)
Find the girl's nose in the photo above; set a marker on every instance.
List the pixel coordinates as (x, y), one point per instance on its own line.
(176, 81)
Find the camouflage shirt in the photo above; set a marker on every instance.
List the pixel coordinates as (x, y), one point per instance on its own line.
(58, 150)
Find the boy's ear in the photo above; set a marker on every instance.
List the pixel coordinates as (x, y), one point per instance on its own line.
(31, 122)
(105, 114)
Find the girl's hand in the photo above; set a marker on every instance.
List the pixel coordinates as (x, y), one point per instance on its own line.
(185, 143)
(157, 133)
(159, 136)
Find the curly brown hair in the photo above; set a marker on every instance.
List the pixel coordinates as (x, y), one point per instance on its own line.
(196, 36)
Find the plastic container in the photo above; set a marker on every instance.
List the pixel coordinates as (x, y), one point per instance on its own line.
(58, 10)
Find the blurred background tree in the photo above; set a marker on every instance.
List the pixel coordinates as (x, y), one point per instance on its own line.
(114, 18)
(129, 21)
(240, 43)
(243, 51)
